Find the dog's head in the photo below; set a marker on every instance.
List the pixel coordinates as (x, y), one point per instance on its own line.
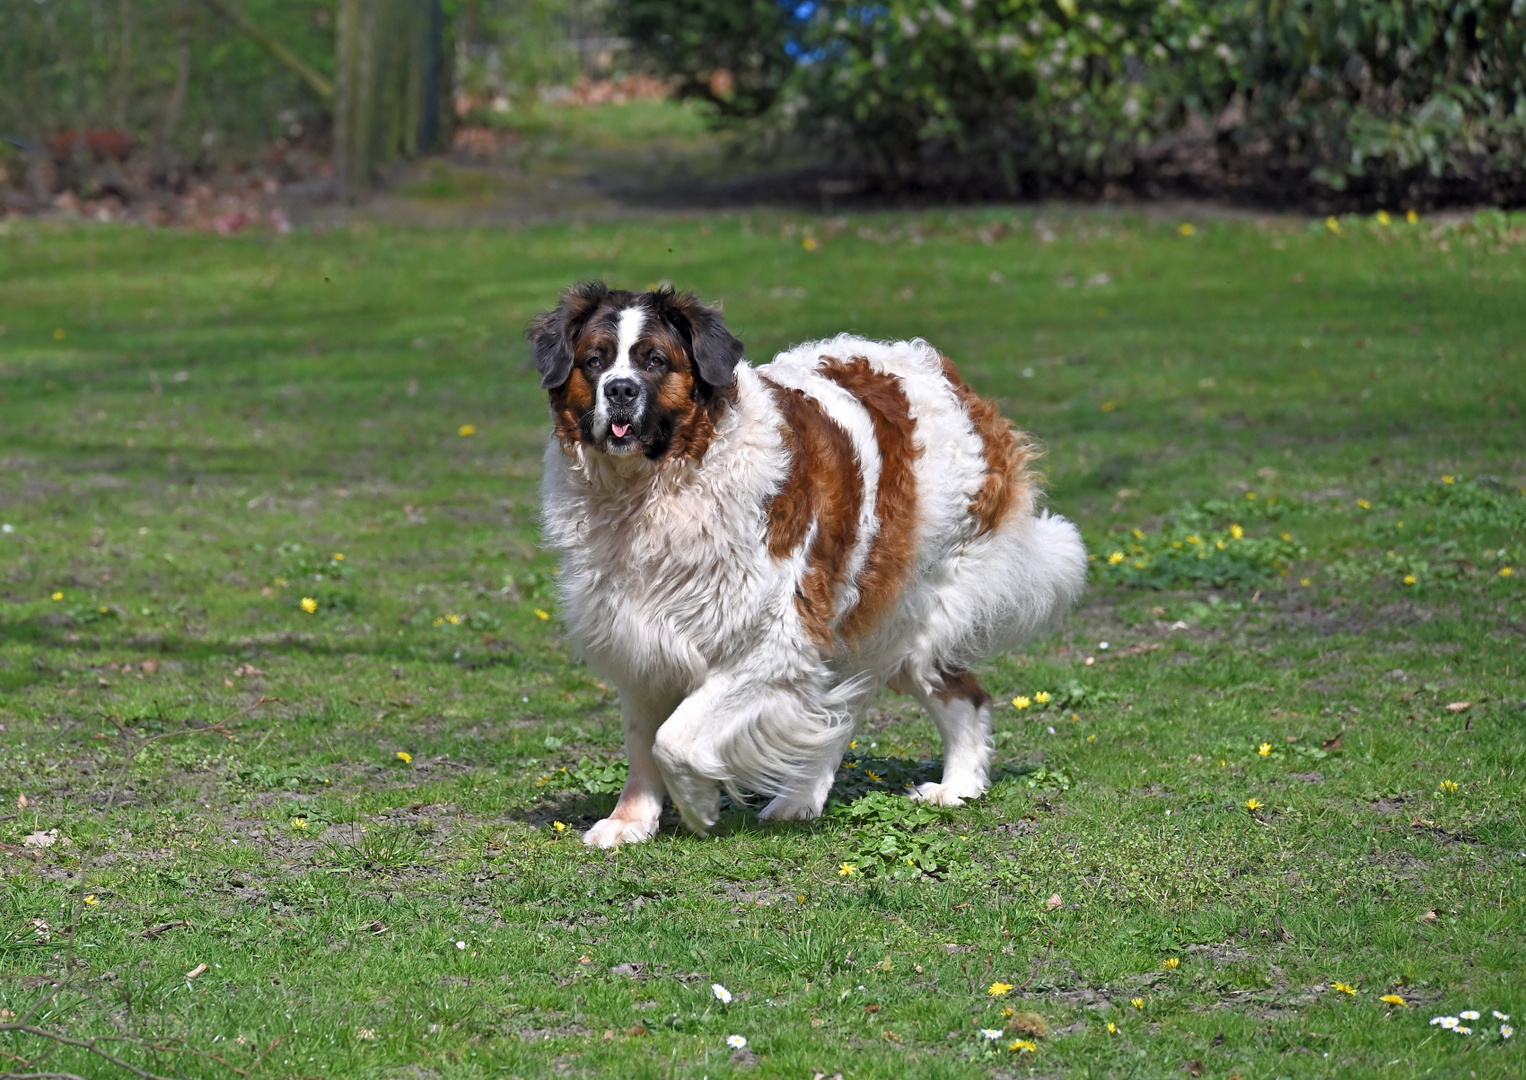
(634, 372)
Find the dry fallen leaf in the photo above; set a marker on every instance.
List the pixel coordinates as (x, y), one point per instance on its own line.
(1332, 744)
(41, 839)
(149, 666)
(1429, 916)
(1053, 902)
(1195, 1067)
(1459, 706)
(21, 801)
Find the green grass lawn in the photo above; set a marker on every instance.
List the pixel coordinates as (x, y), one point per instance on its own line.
(1264, 784)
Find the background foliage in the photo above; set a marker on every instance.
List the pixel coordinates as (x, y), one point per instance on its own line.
(1390, 102)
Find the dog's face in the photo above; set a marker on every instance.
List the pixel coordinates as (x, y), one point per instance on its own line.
(634, 372)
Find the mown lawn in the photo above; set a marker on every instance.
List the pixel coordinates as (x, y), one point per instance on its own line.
(1297, 761)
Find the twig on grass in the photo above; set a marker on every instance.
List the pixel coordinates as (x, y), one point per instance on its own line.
(144, 742)
(88, 1045)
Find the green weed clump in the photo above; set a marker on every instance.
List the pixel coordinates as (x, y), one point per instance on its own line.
(1200, 545)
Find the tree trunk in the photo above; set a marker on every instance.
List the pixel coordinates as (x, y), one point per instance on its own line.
(388, 85)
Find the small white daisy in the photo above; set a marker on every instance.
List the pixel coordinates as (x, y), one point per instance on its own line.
(1506, 1031)
(991, 1033)
(1463, 1030)
(1448, 1022)
(1500, 1016)
(736, 1042)
(721, 993)
(1468, 1014)
(460, 944)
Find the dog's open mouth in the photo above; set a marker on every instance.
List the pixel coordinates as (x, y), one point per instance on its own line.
(619, 431)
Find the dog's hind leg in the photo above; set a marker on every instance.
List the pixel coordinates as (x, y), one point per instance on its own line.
(634, 817)
(961, 711)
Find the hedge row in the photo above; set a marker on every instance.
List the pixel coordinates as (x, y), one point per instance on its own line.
(1397, 102)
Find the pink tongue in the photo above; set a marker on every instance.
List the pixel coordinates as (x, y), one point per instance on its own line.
(619, 430)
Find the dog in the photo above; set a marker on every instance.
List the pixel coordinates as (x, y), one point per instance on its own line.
(748, 554)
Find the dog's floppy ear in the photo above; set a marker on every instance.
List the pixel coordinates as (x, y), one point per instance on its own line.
(552, 333)
(715, 350)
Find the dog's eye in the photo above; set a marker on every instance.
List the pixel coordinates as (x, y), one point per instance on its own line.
(656, 362)
(594, 362)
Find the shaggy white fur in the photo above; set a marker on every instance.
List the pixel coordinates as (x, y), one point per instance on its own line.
(668, 587)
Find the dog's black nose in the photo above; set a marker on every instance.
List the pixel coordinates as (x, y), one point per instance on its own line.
(622, 391)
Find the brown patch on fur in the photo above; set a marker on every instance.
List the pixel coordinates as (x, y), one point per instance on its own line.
(694, 420)
(960, 685)
(570, 402)
(895, 500)
(1007, 454)
(824, 486)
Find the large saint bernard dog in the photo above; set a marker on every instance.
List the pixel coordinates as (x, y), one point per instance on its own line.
(749, 553)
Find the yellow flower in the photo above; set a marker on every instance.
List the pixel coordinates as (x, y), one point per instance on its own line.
(466, 430)
(1219, 544)
(1023, 1046)
(1332, 224)
(1448, 786)
(1138, 1003)
(1304, 582)
(1236, 531)
(1409, 579)
(1042, 697)
(91, 900)
(1020, 702)
(853, 745)
(1345, 988)
(1250, 496)
(846, 870)
(559, 826)
(1286, 536)
(454, 620)
(1252, 804)
(1112, 1028)
(1091, 738)
(1394, 999)
(1138, 535)
(439, 620)
(339, 556)
(1505, 571)
(1173, 963)
(405, 757)
(1008, 1012)
(872, 775)
(309, 605)
(1364, 504)
(1109, 406)
(1194, 539)
(1383, 218)
(1115, 558)
(56, 596)
(999, 989)
(1265, 749)
(540, 614)
(809, 243)
(1185, 228)
(1412, 217)
(298, 823)
(1449, 479)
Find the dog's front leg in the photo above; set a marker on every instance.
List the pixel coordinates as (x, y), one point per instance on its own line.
(635, 815)
(688, 749)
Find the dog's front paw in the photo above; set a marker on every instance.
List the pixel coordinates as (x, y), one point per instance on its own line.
(612, 832)
(945, 794)
(790, 808)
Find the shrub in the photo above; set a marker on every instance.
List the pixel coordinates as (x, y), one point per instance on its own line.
(1393, 103)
